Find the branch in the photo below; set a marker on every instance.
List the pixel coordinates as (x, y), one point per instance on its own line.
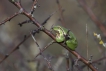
(8, 19)
(33, 6)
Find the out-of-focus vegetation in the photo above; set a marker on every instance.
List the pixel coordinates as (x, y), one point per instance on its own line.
(75, 18)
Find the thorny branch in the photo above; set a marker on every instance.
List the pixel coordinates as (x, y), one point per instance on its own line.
(8, 19)
(35, 22)
(34, 6)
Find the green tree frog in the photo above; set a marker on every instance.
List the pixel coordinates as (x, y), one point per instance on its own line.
(66, 36)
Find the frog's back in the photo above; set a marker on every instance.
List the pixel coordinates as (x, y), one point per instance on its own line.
(72, 35)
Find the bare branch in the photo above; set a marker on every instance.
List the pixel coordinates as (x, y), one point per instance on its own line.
(8, 19)
(33, 6)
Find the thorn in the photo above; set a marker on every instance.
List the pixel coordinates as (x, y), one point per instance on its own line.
(9, 20)
(6, 55)
(35, 31)
(20, 24)
(18, 47)
(25, 36)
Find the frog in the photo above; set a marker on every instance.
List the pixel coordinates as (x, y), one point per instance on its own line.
(64, 35)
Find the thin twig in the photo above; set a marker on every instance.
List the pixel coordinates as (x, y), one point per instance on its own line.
(48, 62)
(33, 6)
(48, 18)
(8, 19)
(26, 21)
(61, 13)
(87, 43)
(67, 61)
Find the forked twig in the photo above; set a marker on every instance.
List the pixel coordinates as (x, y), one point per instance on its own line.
(44, 48)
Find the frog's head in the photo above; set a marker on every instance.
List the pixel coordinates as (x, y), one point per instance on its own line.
(58, 30)
(59, 33)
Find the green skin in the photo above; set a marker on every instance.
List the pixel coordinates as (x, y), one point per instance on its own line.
(71, 42)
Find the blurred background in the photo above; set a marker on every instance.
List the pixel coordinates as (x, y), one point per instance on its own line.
(75, 17)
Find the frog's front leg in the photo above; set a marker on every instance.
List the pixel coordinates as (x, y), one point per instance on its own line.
(66, 36)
